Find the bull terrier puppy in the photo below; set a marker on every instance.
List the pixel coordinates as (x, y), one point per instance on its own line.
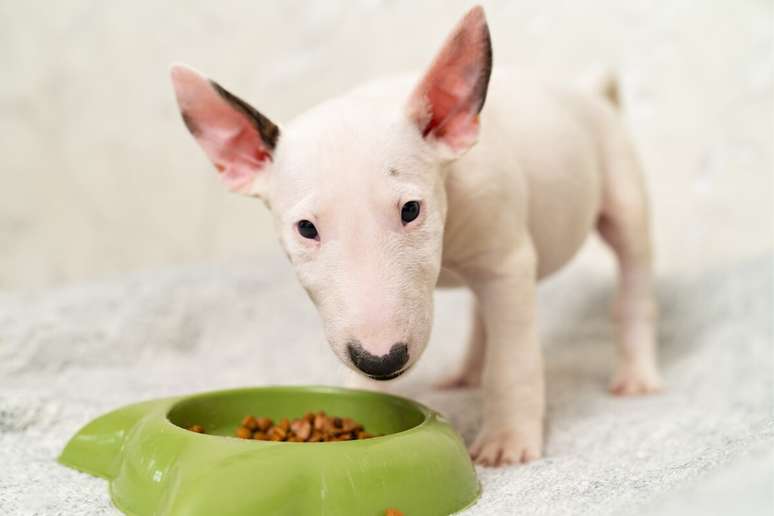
(405, 184)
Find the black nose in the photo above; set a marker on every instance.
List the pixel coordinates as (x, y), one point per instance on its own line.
(384, 367)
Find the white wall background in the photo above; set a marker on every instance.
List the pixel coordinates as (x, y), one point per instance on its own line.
(98, 175)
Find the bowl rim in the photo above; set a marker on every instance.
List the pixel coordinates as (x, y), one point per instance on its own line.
(428, 415)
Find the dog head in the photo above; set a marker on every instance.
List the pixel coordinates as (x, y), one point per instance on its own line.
(356, 189)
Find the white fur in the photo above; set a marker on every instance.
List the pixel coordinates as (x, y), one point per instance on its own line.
(516, 207)
(551, 164)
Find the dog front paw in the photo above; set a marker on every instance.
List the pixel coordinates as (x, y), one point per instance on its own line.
(459, 380)
(636, 380)
(501, 446)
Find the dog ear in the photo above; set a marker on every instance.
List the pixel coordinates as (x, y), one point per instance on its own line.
(238, 139)
(446, 102)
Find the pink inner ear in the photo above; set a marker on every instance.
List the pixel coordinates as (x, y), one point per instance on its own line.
(447, 101)
(228, 135)
(236, 150)
(453, 113)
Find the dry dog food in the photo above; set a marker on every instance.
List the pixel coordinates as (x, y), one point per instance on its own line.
(314, 427)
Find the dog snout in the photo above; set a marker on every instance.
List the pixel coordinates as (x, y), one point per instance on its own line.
(383, 367)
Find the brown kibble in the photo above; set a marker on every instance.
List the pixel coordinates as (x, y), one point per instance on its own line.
(244, 433)
(279, 432)
(349, 425)
(392, 512)
(313, 427)
(264, 423)
(250, 423)
(320, 422)
(302, 428)
(199, 429)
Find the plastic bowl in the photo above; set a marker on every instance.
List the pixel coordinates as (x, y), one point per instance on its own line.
(155, 466)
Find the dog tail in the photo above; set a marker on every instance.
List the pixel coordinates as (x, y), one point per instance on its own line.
(610, 90)
(605, 83)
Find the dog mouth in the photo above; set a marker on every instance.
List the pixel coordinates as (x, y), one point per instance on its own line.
(384, 378)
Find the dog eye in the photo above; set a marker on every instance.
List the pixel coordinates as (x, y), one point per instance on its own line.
(409, 212)
(307, 230)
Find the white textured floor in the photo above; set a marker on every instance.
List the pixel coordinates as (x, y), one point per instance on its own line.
(703, 447)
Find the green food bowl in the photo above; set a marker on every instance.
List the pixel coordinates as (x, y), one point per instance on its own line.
(157, 467)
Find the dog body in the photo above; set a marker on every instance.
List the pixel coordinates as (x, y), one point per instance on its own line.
(539, 159)
(403, 185)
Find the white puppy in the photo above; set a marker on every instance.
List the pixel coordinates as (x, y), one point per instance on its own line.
(403, 185)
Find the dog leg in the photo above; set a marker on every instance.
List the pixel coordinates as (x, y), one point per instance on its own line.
(469, 374)
(624, 225)
(512, 379)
